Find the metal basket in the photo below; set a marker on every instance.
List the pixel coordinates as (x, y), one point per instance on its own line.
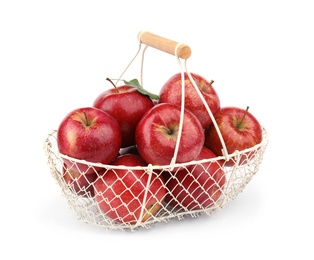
(82, 199)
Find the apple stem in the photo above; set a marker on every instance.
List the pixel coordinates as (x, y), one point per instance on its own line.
(167, 129)
(209, 85)
(86, 119)
(164, 128)
(113, 84)
(239, 123)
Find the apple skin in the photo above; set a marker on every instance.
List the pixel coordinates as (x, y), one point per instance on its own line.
(197, 186)
(120, 192)
(89, 134)
(127, 106)
(81, 184)
(236, 138)
(171, 92)
(157, 131)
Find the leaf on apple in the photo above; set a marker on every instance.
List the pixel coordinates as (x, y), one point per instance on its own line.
(135, 83)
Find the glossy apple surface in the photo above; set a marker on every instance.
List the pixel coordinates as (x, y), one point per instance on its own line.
(171, 92)
(197, 186)
(239, 129)
(157, 132)
(89, 134)
(79, 183)
(127, 106)
(120, 193)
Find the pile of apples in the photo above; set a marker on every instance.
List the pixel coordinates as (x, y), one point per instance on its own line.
(126, 126)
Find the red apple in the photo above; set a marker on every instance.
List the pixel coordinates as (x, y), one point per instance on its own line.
(127, 105)
(240, 130)
(171, 92)
(197, 186)
(80, 183)
(157, 132)
(89, 134)
(120, 193)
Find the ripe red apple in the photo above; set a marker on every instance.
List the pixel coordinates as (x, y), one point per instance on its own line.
(171, 92)
(197, 186)
(157, 132)
(120, 193)
(240, 130)
(89, 134)
(80, 183)
(127, 105)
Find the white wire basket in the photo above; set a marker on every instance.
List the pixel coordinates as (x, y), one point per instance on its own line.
(221, 181)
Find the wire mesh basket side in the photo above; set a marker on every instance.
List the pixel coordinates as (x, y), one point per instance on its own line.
(81, 197)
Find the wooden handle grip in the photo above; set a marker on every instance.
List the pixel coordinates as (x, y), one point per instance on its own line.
(169, 46)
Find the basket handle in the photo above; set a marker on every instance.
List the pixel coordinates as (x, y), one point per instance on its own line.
(181, 50)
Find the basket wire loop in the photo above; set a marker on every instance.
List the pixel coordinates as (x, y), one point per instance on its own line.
(132, 60)
(233, 173)
(150, 173)
(224, 148)
(182, 69)
(142, 65)
(176, 150)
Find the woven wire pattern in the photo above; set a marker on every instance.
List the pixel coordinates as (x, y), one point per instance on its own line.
(81, 197)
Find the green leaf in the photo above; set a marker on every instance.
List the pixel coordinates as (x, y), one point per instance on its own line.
(135, 83)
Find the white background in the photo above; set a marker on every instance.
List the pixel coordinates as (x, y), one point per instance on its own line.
(55, 56)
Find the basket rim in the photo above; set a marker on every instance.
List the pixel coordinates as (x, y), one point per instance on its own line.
(51, 140)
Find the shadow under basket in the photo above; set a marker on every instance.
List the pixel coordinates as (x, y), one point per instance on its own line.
(178, 201)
